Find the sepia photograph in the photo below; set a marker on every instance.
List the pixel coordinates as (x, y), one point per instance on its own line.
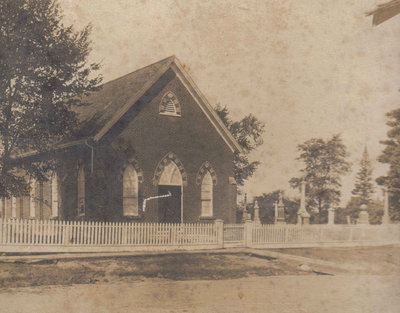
(205, 156)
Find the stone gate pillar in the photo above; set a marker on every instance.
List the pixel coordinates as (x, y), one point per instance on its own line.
(256, 213)
(248, 233)
(219, 225)
(331, 216)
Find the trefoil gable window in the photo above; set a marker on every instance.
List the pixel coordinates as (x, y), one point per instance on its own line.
(81, 190)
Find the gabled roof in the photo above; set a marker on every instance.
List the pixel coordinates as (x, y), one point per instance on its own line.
(109, 104)
(113, 95)
(384, 12)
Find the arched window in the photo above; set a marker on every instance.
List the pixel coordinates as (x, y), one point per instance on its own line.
(207, 195)
(130, 191)
(54, 195)
(171, 175)
(81, 191)
(32, 200)
(170, 105)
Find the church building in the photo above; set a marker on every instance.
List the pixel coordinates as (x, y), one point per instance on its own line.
(150, 149)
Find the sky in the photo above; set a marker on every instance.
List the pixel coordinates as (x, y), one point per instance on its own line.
(306, 68)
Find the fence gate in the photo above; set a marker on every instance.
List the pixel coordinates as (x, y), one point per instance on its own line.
(234, 235)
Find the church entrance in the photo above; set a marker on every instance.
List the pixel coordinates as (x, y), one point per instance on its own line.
(170, 208)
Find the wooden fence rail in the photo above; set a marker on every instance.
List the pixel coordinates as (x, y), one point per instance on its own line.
(233, 233)
(292, 234)
(54, 232)
(52, 235)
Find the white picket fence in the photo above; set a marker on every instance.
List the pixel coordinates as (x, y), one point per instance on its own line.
(20, 235)
(54, 232)
(233, 234)
(324, 234)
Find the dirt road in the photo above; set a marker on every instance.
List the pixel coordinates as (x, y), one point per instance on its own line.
(283, 294)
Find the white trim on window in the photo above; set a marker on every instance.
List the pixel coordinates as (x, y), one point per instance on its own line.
(81, 191)
(130, 191)
(32, 200)
(54, 195)
(207, 195)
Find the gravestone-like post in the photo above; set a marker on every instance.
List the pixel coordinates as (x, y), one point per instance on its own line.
(303, 217)
(276, 211)
(246, 214)
(331, 216)
(280, 211)
(363, 217)
(256, 213)
(385, 217)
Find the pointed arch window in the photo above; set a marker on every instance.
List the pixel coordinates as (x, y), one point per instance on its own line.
(54, 195)
(32, 198)
(170, 105)
(130, 191)
(207, 195)
(81, 191)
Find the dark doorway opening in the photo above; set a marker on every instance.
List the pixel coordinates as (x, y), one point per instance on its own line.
(169, 209)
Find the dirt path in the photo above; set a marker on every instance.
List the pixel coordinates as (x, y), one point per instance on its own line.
(257, 294)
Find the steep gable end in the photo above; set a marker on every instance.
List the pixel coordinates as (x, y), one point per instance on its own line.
(115, 99)
(114, 95)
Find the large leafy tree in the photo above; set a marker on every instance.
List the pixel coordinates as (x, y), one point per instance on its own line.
(43, 74)
(324, 164)
(391, 156)
(248, 133)
(364, 187)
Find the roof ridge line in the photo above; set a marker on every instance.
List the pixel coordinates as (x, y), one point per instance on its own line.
(172, 57)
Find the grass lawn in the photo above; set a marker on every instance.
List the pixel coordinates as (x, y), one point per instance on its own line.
(171, 267)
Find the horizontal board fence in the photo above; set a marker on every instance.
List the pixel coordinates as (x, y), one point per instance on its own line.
(54, 232)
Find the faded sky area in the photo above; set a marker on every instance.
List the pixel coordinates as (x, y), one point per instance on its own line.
(307, 68)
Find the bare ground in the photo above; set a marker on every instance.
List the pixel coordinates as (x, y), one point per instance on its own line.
(173, 267)
(205, 283)
(272, 294)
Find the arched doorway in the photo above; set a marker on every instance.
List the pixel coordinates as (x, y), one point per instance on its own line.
(170, 181)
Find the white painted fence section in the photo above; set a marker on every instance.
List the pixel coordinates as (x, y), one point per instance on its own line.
(305, 234)
(53, 232)
(67, 236)
(234, 234)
